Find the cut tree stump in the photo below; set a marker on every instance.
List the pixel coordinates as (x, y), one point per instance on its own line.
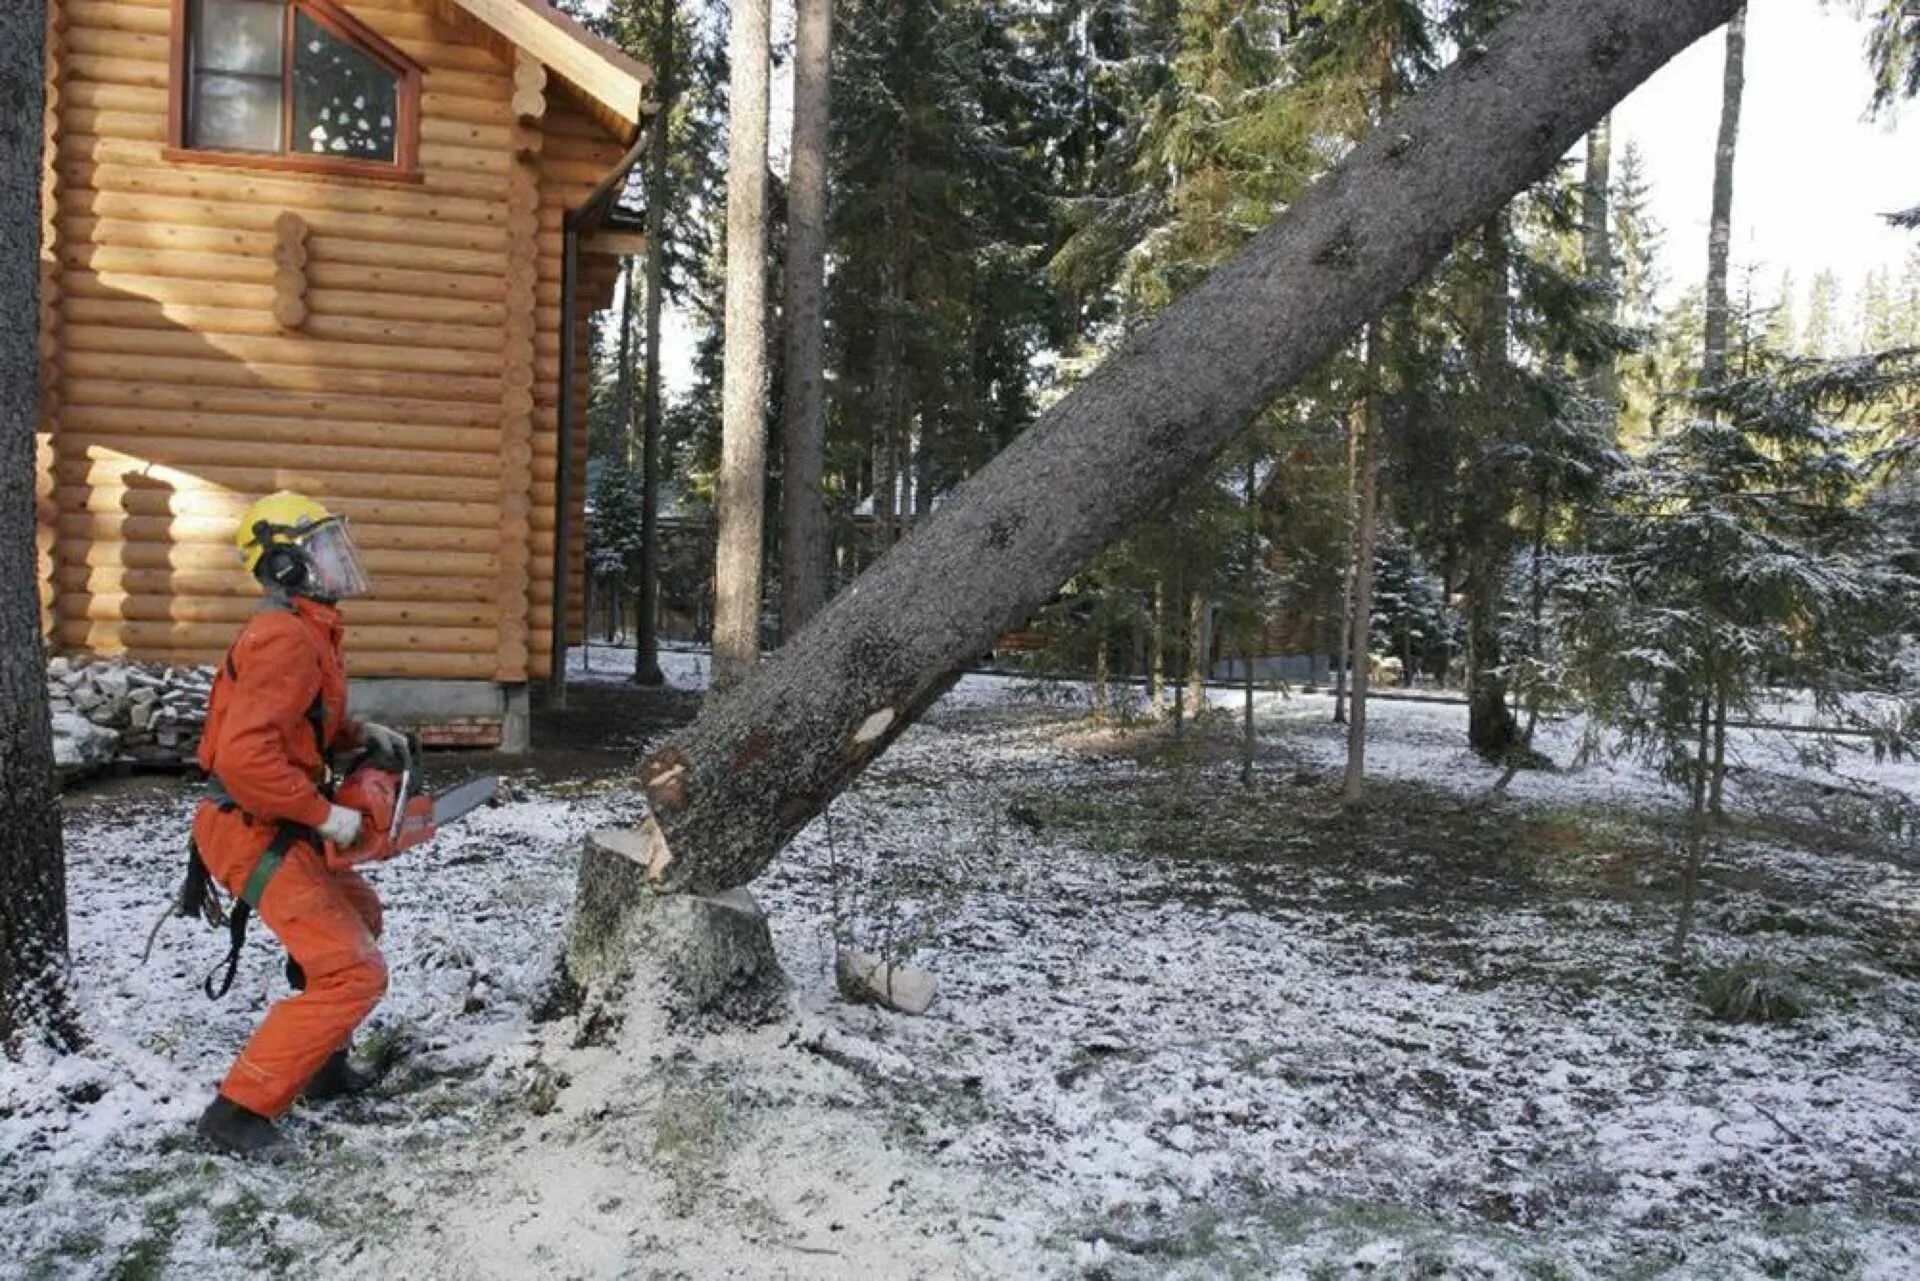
(701, 960)
(866, 979)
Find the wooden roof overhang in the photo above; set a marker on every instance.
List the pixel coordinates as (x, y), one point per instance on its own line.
(611, 83)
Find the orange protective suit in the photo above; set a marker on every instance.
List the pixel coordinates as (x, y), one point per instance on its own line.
(278, 708)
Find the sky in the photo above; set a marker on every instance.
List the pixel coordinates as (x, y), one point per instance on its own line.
(1812, 174)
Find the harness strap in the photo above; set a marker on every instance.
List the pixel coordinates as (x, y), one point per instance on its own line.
(249, 903)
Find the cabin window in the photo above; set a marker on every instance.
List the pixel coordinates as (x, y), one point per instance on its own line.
(298, 83)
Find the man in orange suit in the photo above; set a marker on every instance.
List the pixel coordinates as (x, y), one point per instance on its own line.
(278, 711)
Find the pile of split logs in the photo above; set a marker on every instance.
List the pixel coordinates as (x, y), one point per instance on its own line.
(109, 711)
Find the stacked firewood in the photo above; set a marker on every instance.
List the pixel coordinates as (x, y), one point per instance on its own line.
(110, 711)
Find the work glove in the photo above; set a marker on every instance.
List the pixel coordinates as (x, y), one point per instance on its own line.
(342, 827)
(387, 746)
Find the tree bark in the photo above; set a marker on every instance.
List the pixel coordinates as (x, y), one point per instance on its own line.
(1343, 656)
(1596, 209)
(646, 657)
(1696, 838)
(803, 575)
(1491, 729)
(1250, 567)
(1198, 651)
(1713, 370)
(1367, 502)
(1158, 661)
(33, 895)
(623, 391)
(729, 791)
(741, 492)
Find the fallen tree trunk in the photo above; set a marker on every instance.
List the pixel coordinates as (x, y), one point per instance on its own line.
(728, 792)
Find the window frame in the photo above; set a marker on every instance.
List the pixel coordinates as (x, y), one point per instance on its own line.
(336, 21)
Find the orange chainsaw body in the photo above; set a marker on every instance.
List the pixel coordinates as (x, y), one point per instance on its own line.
(375, 793)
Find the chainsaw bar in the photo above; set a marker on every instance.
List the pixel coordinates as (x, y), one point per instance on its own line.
(463, 800)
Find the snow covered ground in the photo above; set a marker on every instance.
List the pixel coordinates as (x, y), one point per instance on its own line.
(1185, 1029)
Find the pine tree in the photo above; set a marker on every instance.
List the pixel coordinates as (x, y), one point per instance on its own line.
(1879, 321)
(1821, 338)
(1738, 554)
(1783, 331)
(1907, 305)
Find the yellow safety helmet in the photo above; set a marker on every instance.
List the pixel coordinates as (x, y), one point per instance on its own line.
(292, 542)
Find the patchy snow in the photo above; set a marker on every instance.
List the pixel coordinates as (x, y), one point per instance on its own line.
(1182, 1030)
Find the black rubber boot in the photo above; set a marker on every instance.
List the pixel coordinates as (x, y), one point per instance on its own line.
(232, 1129)
(337, 1078)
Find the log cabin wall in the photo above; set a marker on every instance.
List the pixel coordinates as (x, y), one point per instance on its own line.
(216, 333)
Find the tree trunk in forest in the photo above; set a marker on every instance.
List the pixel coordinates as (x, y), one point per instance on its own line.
(33, 888)
(1715, 802)
(730, 790)
(740, 494)
(1159, 659)
(1199, 650)
(646, 609)
(1596, 211)
(623, 371)
(1255, 616)
(1102, 691)
(1713, 370)
(803, 573)
(1343, 652)
(1360, 624)
(1491, 729)
(1696, 837)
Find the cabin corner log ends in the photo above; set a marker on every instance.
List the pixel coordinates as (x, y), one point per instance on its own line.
(727, 793)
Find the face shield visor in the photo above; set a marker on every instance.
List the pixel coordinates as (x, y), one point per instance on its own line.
(334, 568)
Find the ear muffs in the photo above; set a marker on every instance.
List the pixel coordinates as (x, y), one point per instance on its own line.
(284, 568)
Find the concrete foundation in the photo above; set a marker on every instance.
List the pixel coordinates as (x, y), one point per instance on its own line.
(448, 713)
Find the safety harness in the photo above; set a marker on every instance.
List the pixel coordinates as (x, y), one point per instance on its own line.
(197, 894)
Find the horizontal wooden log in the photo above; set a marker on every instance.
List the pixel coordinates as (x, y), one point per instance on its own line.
(215, 372)
(468, 159)
(398, 523)
(215, 556)
(168, 264)
(111, 69)
(105, 472)
(92, 634)
(151, 20)
(123, 233)
(120, 286)
(479, 136)
(98, 134)
(489, 110)
(193, 607)
(141, 100)
(120, 46)
(398, 306)
(125, 201)
(233, 580)
(399, 280)
(172, 341)
(142, 314)
(426, 258)
(332, 406)
(401, 205)
(187, 440)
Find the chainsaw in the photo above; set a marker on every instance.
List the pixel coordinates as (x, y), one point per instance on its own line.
(394, 816)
